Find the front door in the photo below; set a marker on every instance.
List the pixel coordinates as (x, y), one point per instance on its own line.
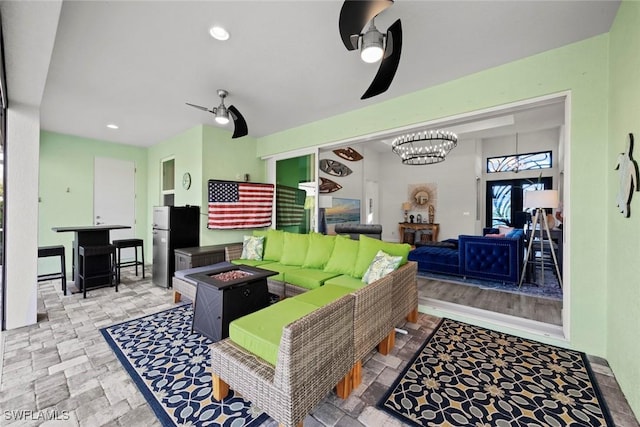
(114, 197)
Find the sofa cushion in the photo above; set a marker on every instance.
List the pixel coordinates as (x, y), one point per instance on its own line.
(252, 247)
(295, 248)
(381, 265)
(343, 257)
(250, 262)
(308, 278)
(278, 268)
(260, 332)
(273, 245)
(369, 248)
(324, 295)
(320, 248)
(345, 281)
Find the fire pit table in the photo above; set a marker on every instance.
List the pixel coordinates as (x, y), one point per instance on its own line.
(226, 293)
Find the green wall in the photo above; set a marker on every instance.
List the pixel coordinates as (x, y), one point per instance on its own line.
(66, 187)
(580, 68)
(623, 234)
(206, 153)
(227, 159)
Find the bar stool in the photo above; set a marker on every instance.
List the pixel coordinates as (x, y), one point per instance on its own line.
(85, 252)
(48, 251)
(129, 243)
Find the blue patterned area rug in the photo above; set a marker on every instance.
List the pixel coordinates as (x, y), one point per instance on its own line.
(465, 375)
(171, 367)
(549, 288)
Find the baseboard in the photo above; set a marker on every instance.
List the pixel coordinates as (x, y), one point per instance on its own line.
(491, 318)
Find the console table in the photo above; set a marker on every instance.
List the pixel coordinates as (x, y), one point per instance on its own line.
(431, 231)
(220, 302)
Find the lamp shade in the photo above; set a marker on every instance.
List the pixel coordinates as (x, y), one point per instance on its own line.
(406, 206)
(325, 201)
(541, 199)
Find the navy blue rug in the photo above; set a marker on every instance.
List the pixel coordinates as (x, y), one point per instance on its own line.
(549, 288)
(172, 369)
(465, 375)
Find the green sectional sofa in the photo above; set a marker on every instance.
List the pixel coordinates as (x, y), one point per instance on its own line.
(285, 358)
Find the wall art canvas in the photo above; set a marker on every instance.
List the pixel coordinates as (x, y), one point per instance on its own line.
(235, 205)
(342, 210)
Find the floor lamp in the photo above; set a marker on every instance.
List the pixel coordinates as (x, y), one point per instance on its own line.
(539, 200)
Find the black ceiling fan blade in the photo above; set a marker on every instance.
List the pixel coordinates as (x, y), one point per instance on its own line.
(199, 107)
(389, 64)
(240, 125)
(355, 14)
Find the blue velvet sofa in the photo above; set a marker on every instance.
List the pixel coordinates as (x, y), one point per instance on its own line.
(479, 257)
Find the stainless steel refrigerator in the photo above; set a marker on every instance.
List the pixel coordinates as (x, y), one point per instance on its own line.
(174, 227)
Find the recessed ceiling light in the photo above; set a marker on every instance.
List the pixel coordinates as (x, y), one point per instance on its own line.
(219, 33)
(112, 126)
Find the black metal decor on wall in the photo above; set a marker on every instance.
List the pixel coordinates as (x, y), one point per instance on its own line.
(627, 169)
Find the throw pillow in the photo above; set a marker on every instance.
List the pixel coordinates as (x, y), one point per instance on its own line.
(343, 257)
(494, 236)
(252, 247)
(381, 265)
(369, 247)
(503, 229)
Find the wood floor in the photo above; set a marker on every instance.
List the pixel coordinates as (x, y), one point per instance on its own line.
(528, 307)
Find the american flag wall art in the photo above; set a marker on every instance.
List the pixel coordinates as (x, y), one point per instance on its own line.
(235, 205)
(289, 206)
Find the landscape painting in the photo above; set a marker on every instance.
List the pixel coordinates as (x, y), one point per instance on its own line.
(343, 210)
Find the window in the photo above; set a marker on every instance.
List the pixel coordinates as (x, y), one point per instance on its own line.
(168, 182)
(504, 200)
(519, 162)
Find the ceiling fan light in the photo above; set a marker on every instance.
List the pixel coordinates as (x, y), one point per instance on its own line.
(372, 49)
(223, 120)
(371, 54)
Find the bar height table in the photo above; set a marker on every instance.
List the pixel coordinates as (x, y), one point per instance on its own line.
(90, 235)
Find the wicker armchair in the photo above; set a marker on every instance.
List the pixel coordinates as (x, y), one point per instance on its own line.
(234, 251)
(316, 352)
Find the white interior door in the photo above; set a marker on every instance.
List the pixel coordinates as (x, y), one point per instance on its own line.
(114, 197)
(371, 202)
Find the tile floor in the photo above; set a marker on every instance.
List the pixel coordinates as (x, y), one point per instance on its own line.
(61, 367)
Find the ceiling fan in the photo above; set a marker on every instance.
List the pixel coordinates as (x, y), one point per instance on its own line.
(354, 16)
(222, 113)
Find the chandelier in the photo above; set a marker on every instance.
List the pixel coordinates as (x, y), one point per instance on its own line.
(424, 148)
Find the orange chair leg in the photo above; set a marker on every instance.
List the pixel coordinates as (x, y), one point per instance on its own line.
(176, 297)
(387, 344)
(412, 317)
(220, 388)
(343, 388)
(356, 374)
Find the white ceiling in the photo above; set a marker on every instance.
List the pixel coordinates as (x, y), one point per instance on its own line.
(136, 63)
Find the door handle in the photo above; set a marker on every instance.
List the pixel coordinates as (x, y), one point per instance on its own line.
(99, 223)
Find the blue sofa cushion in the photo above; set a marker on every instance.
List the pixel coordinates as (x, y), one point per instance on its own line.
(436, 259)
